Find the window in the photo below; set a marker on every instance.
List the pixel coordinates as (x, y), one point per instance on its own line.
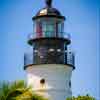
(48, 28)
(51, 50)
(42, 81)
(70, 84)
(39, 29)
(60, 29)
(35, 51)
(58, 50)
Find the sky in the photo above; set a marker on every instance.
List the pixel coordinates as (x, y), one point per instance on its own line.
(82, 22)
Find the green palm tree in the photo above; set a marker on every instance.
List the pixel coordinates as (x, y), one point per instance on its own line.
(8, 90)
(87, 97)
(17, 91)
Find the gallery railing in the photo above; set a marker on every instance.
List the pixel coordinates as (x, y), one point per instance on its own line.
(49, 34)
(59, 58)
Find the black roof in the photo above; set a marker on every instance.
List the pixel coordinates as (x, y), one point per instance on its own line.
(48, 11)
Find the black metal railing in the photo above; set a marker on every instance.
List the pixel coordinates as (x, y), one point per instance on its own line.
(58, 57)
(49, 34)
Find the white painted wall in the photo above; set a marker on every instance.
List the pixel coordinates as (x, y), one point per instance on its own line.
(57, 77)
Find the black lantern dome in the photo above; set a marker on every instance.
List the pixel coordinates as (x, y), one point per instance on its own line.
(48, 11)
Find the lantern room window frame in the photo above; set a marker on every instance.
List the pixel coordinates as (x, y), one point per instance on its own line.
(42, 27)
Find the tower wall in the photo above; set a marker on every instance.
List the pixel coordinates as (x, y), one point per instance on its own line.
(50, 80)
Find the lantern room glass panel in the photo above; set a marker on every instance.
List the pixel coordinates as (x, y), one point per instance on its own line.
(48, 27)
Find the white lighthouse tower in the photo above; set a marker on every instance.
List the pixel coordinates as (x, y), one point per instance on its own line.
(50, 64)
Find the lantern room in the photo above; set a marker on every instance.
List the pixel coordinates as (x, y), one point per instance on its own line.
(48, 22)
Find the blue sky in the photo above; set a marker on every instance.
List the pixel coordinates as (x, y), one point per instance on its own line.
(81, 22)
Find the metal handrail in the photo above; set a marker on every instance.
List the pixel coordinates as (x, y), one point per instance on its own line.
(58, 35)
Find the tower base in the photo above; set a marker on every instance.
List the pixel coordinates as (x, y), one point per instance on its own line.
(52, 81)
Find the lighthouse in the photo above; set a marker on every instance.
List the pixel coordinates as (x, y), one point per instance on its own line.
(50, 62)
